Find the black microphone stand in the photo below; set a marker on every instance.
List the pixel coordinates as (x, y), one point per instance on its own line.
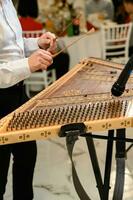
(119, 86)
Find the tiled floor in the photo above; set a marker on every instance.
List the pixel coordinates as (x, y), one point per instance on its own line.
(53, 181)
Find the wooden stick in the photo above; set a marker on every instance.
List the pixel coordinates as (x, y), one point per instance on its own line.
(76, 40)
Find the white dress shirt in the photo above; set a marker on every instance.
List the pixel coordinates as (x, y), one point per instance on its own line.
(13, 48)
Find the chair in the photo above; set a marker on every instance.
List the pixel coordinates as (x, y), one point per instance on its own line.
(115, 42)
(40, 79)
(33, 34)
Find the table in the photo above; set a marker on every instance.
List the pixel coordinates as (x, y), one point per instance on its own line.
(90, 46)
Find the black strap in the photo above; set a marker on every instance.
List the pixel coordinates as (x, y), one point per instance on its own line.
(119, 182)
(70, 141)
(120, 165)
(72, 131)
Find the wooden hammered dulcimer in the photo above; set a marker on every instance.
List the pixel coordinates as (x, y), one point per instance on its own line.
(82, 95)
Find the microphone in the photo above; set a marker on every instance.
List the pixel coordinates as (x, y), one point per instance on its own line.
(119, 86)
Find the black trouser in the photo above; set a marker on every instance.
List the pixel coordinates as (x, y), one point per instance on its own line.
(24, 154)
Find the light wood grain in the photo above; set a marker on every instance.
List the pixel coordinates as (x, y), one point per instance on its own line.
(77, 87)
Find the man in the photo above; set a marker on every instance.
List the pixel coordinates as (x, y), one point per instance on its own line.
(14, 67)
(104, 8)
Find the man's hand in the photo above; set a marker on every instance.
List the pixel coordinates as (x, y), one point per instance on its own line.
(47, 41)
(40, 59)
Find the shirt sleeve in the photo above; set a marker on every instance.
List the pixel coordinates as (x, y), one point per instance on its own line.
(14, 72)
(30, 45)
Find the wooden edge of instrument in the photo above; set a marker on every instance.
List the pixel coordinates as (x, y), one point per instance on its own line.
(106, 62)
(52, 131)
